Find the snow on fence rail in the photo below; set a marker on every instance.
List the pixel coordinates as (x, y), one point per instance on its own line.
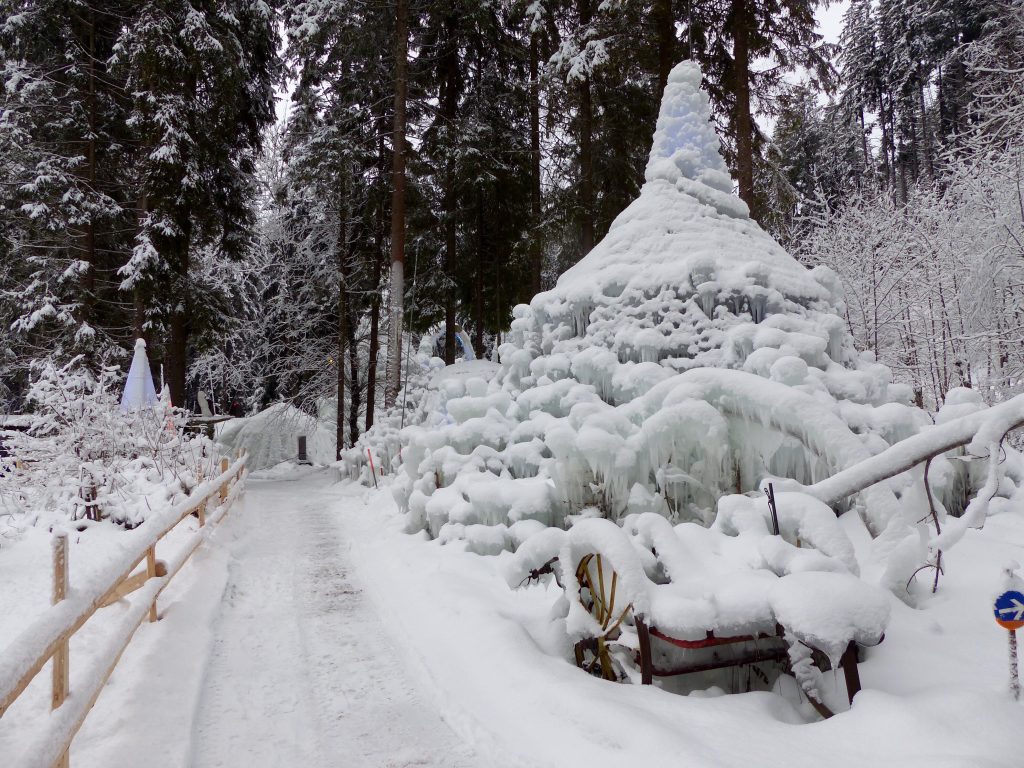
(49, 635)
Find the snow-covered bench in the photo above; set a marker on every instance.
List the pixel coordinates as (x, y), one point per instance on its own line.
(647, 599)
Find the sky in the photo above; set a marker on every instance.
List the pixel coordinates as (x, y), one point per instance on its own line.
(830, 20)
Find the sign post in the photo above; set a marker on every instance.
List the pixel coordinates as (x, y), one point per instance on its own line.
(1009, 613)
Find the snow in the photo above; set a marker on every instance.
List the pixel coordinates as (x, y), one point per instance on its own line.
(688, 360)
(827, 611)
(272, 436)
(953, 428)
(301, 670)
(117, 557)
(934, 689)
(311, 626)
(638, 412)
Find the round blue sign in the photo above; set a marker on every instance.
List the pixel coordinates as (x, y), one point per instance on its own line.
(1009, 610)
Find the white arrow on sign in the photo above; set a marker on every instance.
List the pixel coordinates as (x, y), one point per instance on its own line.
(1017, 609)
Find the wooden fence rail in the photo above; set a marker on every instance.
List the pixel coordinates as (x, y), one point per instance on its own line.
(48, 637)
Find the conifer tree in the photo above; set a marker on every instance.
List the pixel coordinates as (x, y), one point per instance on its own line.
(63, 134)
(201, 80)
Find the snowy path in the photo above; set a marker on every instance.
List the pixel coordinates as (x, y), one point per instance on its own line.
(311, 632)
(301, 671)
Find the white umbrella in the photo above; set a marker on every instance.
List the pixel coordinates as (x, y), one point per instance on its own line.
(139, 391)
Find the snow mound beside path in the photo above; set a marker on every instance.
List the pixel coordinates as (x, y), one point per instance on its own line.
(686, 359)
(272, 436)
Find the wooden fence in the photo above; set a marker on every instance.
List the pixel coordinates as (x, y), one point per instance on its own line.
(48, 637)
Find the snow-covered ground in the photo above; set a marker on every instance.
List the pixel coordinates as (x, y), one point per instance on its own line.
(935, 690)
(310, 631)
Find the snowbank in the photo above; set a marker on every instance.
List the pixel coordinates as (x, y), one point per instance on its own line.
(272, 436)
(682, 364)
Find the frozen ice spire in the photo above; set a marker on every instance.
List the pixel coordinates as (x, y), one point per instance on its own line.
(686, 233)
(686, 148)
(139, 391)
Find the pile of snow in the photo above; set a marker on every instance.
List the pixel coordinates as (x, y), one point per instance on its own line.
(422, 401)
(687, 358)
(272, 436)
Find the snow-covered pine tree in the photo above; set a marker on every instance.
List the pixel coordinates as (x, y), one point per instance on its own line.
(63, 138)
(200, 78)
(475, 154)
(336, 194)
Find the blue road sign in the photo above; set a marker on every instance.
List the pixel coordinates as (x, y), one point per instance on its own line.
(1009, 610)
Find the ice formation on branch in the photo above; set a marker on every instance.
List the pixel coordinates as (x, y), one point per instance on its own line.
(685, 359)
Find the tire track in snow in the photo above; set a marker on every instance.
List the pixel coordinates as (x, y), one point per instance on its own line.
(302, 673)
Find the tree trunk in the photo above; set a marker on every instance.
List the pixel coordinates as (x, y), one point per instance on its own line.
(353, 385)
(139, 318)
(449, 268)
(88, 276)
(371, 363)
(586, 151)
(394, 373)
(176, 357)
(478, 280)
(380, 235)
(666, 23)
(743, 121)
(449, 109)
(586, 168)
(926, 150)
(536, 253)
(339, 419)
(864, 144)
(886, 164)
(342, 340)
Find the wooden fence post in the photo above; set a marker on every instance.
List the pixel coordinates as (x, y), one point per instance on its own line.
(151, 573)
(201, 509)
(224, 486)
(57, 648)
(60, 661)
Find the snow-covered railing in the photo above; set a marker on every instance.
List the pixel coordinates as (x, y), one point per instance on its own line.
(49, 635)
(980, 429)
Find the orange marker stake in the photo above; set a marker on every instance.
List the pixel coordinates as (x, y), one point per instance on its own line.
(373, 472)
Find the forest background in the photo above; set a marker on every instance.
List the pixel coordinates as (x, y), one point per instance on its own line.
(438, 163)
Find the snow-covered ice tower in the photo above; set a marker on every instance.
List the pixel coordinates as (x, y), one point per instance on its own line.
(685, 358)
(686, 279)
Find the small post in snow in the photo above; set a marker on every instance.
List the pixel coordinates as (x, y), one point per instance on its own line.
(61, 662)
(61, 676)
(1014, 679)
(770, 493)
(1009, 613)
(373, 472)
(151, 573)
(224, 486)
(201, 509)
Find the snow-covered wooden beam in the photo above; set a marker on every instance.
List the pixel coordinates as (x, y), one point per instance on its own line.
(981, 428)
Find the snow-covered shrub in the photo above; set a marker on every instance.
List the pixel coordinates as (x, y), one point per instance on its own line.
(272, 436)
(428, 385)
(83, 458)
